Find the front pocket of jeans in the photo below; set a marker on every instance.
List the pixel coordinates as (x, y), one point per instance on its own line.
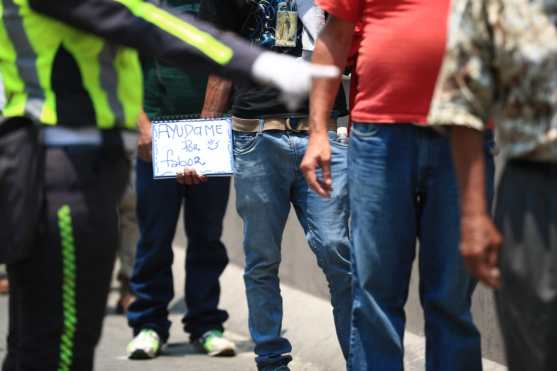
(244, 142)
(365, 130)
(336, 140)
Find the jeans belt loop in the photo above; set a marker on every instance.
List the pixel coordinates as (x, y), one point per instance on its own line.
(261, 126)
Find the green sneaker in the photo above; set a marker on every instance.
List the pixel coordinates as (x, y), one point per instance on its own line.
(216, 345)
(146, 345)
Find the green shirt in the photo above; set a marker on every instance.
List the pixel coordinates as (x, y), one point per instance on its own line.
(167, 90)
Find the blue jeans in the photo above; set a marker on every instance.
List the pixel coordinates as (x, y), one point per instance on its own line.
(402, 188)
(158, 207)
(267, 181)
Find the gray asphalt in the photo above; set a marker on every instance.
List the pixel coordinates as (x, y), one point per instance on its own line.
(307, 323)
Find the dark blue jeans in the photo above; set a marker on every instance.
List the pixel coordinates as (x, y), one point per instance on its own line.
(403, 188)
(159, 203)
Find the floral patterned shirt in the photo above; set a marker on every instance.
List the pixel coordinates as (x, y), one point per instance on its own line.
(501, 65)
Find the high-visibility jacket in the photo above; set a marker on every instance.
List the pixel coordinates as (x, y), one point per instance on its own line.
(75, 62)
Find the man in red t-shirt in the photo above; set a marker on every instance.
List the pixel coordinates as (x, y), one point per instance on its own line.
(401, 181)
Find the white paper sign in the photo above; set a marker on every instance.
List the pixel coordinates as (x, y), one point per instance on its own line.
(202, 144)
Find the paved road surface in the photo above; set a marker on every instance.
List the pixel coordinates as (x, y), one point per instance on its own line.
(308, 324)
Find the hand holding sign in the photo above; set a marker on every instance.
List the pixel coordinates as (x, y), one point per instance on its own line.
(203, 147)
(189, 177)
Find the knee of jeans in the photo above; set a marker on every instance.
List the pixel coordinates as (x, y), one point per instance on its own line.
(262, 269)
(331, 250)
(333, 256)
(448, 300)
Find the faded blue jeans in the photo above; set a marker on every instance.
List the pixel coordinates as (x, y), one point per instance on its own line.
(402, 189)
(268, 180)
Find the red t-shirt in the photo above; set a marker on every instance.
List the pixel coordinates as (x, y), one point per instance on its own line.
(399, 56)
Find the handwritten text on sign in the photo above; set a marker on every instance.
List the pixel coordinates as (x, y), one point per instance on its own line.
(205, 145)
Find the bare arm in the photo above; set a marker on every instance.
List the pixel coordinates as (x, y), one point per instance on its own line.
(480, 240)
(144, 138)
(217, 97)
(470, 167)
(332, 48)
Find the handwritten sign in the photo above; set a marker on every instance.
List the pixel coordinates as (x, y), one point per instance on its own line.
(202, 144)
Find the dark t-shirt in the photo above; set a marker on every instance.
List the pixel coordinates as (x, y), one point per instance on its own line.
(256, 20)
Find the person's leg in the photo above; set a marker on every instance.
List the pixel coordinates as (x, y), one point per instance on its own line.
(129, 236)
(158, 207)
(206, 256)
(382, 189)
(61, 290)
(452, 339)
(263, 176)
(325, 222)
(21, 199)
(527, 301)
(129, 230)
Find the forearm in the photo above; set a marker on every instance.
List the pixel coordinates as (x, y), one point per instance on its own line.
(179, 40)
(217, 96)
(144, 124)
(468, 158)
(331, 48)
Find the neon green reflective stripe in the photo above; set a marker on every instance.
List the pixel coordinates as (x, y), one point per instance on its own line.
(202, 41)
(37, 61)
(68, 288)
(130, 85)
(86, 51)
(15, 106)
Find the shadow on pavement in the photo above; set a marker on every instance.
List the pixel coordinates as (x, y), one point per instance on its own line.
(180, 349)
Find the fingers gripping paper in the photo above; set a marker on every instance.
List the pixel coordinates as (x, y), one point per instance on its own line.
(202, 144)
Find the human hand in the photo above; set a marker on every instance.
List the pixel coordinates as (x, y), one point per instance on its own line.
(480, 243)
(318, 155)
(293, 76)
(190, 176)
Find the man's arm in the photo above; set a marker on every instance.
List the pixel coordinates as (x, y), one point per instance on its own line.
(179, 40)
(144, 138)
(463, 99)
(331, 48)
(480, 240)
(184, 42)
(217, 97)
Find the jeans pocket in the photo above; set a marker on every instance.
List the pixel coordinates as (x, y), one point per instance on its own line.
(244, 142)
(365, 130)
(338, 140)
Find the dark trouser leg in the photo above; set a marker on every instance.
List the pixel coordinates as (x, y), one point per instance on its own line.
(527, 301)
(60, 292)
(158, 207)
(452, 339)
(206, 256)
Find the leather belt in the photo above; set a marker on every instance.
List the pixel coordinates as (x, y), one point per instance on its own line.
(285, 124)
